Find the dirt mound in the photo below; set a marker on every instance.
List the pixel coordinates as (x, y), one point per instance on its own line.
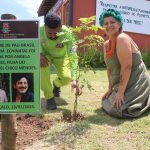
(69, 117)
(30, 129)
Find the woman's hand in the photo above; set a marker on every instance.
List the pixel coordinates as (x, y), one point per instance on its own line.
(106, 95)
(43, 61)
(118, 100)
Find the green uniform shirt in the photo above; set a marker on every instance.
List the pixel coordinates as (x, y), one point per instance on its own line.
(49, 49)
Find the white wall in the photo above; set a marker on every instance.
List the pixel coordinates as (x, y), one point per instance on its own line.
(135, 13)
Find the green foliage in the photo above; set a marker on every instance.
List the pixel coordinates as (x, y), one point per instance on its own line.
(98, 60)
(89, 46)
(66, 36)
(87, 24)
(89, 50)
(146, 57)
(89, 43)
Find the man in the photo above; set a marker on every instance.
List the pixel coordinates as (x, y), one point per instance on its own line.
(62, 55)
(21, 91)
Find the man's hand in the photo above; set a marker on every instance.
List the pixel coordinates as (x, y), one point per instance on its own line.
(43, 61)
(75, 87)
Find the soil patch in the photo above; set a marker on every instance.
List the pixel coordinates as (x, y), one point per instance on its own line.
(30, 129)
(69, 117)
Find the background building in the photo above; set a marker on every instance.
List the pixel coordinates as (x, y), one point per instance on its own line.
(71, 10)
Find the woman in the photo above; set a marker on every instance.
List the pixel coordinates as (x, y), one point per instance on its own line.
(128, 93)
(3, 96)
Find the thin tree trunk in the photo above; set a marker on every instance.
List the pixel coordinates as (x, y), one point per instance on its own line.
(9, 131)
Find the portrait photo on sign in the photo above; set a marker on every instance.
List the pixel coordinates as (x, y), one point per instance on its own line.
(4, 87)
(22, 87)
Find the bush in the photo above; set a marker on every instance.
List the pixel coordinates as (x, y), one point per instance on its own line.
(93, 61)
(146, 57)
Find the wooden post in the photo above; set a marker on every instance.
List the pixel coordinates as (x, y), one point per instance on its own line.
(9, 125)
(9, 131)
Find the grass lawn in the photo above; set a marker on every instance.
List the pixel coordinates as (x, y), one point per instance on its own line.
(97, 131)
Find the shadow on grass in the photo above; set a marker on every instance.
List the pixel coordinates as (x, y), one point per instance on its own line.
(101, 117)
(60, 101)
(95, 69)
(68, 135)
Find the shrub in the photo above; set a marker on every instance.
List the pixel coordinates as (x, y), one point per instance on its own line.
(146, 57)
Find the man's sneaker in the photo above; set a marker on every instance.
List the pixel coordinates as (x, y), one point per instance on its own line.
(50, 104)
(56, 90)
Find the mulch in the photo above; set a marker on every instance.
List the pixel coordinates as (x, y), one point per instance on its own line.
(30, 129)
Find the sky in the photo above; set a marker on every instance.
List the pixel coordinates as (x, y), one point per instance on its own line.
(23, 9)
